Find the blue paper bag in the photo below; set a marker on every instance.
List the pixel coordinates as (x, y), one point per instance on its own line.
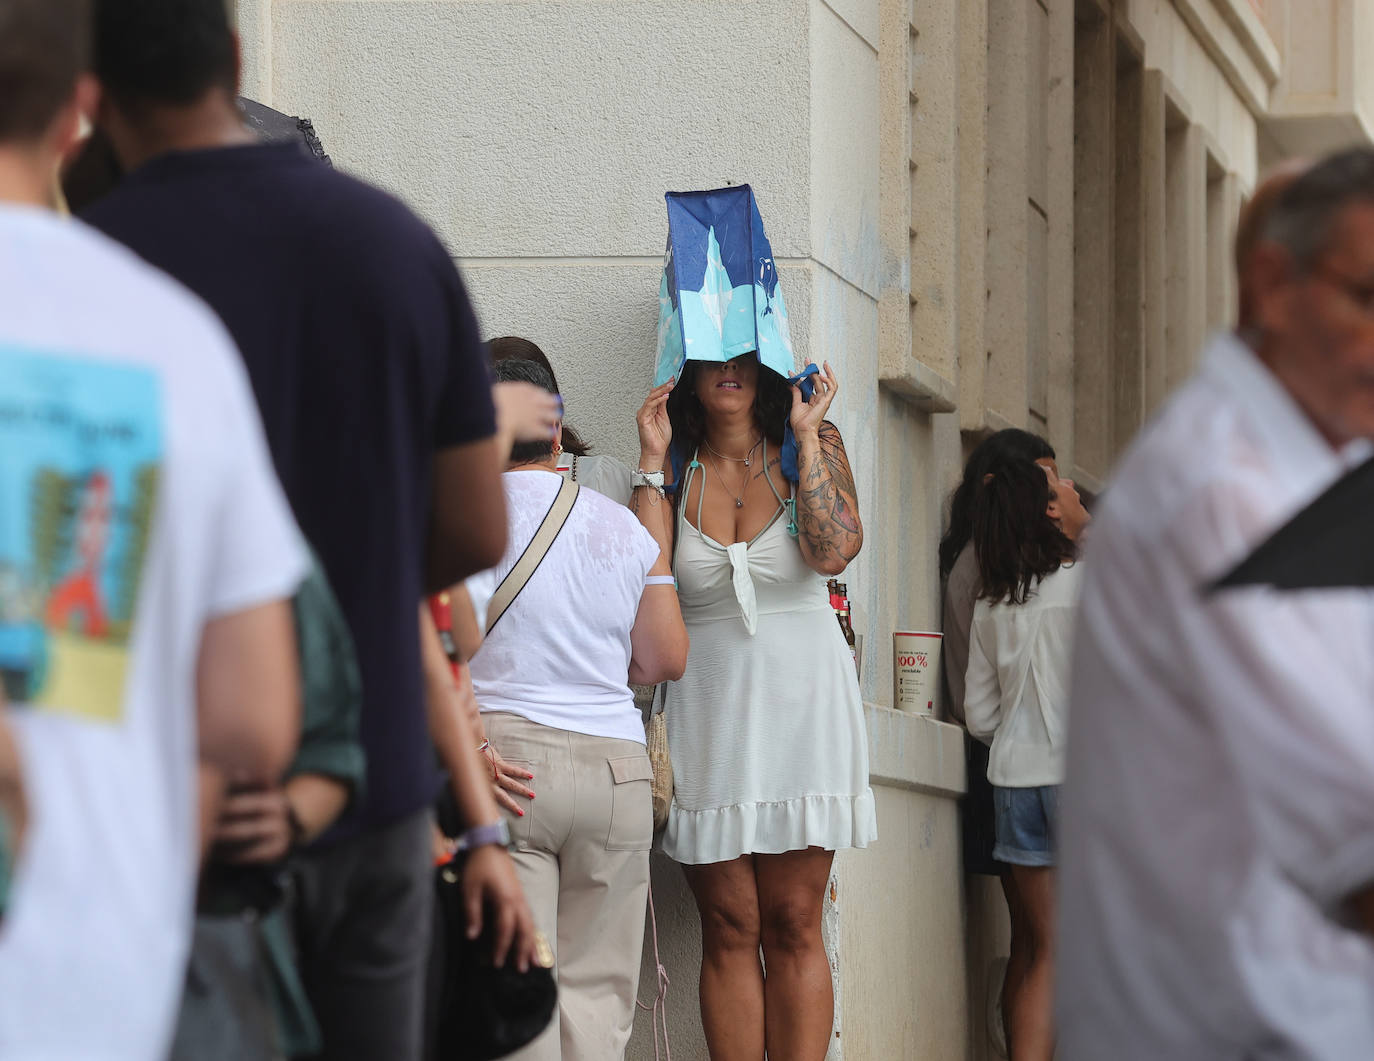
(719, 297)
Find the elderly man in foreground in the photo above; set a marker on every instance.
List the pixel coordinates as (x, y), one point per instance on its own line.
(1218, 824)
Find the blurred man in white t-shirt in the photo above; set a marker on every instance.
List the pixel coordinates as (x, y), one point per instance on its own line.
(147, 557)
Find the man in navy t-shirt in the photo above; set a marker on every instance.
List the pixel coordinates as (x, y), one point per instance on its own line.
(365, 359)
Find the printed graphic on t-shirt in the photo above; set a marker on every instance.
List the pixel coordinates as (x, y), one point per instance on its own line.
(80, 449)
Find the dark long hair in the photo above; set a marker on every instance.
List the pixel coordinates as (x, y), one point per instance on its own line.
(772, 408)
(1012, 442)
(514, 348)
(1014, 539)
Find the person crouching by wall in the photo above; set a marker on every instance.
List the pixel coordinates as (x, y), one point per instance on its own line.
(551, 679)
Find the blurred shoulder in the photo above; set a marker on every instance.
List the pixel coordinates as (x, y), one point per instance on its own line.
(139, 312)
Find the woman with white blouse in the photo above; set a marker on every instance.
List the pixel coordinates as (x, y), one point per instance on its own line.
(1026, 521)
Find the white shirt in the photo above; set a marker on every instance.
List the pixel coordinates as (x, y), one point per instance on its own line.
(1219, 802)
(1016, 689)
(560, 656)
(137, 502)
(600, 471)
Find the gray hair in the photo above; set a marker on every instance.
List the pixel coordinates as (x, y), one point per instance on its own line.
(514, 370)
(1303, 218)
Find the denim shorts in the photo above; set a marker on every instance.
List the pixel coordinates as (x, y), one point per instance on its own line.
(1026, 820)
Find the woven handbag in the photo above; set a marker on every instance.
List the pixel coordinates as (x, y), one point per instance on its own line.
(656, 738)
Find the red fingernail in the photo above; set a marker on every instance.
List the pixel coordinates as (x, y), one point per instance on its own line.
(521, 813)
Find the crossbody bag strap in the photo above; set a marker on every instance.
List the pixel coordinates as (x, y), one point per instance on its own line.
(534, 553)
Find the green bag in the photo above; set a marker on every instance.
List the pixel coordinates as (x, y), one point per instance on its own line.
(331, 711)
(331, 688)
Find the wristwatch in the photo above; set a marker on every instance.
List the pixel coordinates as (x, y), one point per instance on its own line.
(653, 480)
(497, 832)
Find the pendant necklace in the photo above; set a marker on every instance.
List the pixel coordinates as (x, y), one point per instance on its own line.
(746, 460)
(739, 498)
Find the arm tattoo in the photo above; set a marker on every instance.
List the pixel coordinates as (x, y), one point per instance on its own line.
(826, 512)
(832, 449)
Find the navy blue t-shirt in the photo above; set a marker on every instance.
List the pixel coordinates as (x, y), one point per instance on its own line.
(365, 358)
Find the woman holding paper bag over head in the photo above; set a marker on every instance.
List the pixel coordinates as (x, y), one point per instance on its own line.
(765, 728)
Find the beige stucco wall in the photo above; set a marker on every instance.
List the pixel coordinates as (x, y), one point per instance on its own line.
(915, 164)
(1198, 83)
(542, 160)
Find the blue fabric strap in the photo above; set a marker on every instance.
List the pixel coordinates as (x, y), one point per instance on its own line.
(789, 440)
(679, 463)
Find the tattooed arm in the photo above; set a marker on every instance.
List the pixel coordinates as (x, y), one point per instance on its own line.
(828, 526)
(829, 530)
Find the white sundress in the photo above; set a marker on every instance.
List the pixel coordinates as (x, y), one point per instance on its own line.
(765, 729)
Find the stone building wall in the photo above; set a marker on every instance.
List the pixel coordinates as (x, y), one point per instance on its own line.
(985, 213)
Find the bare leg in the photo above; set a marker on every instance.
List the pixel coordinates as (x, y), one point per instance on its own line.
(799, 1007)
(731, 974)
(1018, 959)
(1030, 1018)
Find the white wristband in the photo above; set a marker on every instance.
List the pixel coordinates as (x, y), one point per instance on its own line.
(653, 480)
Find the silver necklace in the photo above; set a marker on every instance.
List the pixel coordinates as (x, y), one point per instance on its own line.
(739, 498)
(746, 460)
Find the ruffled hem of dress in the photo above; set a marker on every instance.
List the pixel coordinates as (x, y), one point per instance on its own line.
(720, 834)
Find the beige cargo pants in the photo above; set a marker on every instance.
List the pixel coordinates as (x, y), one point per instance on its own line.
(582, 853)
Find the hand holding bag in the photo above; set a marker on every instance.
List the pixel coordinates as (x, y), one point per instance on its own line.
(483, 1012)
